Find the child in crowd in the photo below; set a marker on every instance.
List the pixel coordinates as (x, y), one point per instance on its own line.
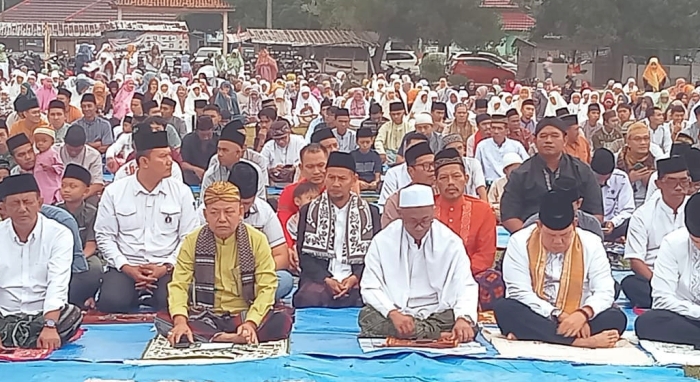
(4, 169)
(511, 162)
(118, 152)
(368, 164)
(49, 167)
(303, 194)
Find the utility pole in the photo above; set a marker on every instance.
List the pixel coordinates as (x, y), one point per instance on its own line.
(269, 14)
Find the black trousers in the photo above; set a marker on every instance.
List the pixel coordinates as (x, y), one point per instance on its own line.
(118, 293)
(514, 317)
(618, 232)
(667, 326)
(638, 291)
(85, 285)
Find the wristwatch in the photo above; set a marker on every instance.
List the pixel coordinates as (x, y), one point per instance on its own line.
(51, 324)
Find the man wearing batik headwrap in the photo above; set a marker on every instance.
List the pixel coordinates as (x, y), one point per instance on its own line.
(336, 228)
(560, 288)
(233, 306)
(472, 219)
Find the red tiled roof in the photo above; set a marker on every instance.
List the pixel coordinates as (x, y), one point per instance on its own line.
(191, 4)
(85, 11)
(498, 4)
(516, 22)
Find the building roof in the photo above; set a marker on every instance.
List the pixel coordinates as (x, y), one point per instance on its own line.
(516, 21)
(302, 37)
(188, 4)
(498, 4)
(58, 30)
(85, 11)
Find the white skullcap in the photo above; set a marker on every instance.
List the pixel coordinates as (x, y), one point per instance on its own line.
(416, 195)
(510, 159)
(424, 119)
(617, 86)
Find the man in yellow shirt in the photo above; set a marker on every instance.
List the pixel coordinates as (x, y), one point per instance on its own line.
(234, 280)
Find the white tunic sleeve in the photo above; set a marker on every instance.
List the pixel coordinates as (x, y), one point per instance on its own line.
(636, 245)
(600, 282)
(667, 273)
(372, 283)
(464, 286)
(59, 270)
(107, 228)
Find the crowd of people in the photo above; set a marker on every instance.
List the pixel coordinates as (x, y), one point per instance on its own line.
(98, 216)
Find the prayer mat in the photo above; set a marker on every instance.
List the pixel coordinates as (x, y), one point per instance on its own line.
(639, 311)
(616, 256)
(624, 353)
(672, 354)
(94, 317)
(376, 344)
(487, 317)
(159, 352)
(21, 355)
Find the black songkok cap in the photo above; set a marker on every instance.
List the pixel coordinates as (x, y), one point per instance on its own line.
(438, 106)
(139, 96)
(235, 124)
(326, 103)
(31, 104)
(593, 107)
(448, 156)
(168, 101)
(128, 119)
(19, 184)
(481, 104)
(65, 92)
(200, 103)
(570, 120)
(268, 103)
(74, 171)
(231, 134)
(244, 176)
(375, 108)
(145, 139)
(692, 159)
(671, 165)
(603, 161)
(396, 106)
(88, 97)
(17, 141)
(511, 112)
(556, 211)
(482, 117)
(416, 151)
(342, 113)
(567, 188)
(692, 215)
(365, 132)
(148, 105)
(75, 136)
(527, 102)
(204, 123)
(550, 121)
(20, 104)
(322, 135)
(562, 112)
(342, 160)
(56, 104)
(680, 149)
(3, 123)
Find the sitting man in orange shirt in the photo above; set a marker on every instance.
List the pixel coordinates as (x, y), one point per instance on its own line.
(31, 119)
(473, 220)
(576, 144)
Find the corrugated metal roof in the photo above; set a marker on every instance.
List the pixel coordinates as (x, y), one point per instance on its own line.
(191, 4)
(498, 4)
(57, 29)
(85, 11)
(305, 37)
(517, 21)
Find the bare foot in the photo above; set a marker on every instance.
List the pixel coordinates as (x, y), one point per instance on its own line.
(511, 337)
(602, 340)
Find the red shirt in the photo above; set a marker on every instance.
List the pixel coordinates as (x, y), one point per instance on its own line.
(286, 208)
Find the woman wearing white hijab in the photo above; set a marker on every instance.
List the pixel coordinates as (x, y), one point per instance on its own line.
(496, 106)
(284, 106)
(452, 102)
(507, 99)
(575, 104)
(555, 102)
(422, 104)
(630, 87)
(195, 93)
(307, 108)
(389, 97)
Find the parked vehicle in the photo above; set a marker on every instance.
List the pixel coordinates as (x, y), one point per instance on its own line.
(481, 70)
(401, 59)
(204, 52)
(496, 59)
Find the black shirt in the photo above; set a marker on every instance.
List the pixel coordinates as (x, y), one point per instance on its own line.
(85, 217)
(196, 154)
(529, 184)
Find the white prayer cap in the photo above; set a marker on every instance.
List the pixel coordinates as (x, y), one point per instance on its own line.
(424, 119)
(617, 86)
(510, 159)
(417, 195)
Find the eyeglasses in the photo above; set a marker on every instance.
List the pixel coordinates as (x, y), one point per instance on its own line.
(425, 166)
(685, 182)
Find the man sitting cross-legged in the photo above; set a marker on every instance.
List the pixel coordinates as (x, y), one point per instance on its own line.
(35, 271)
(559, 288)
(417, 283)
(230, 268)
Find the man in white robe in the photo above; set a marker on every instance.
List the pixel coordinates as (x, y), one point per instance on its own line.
(650, 224)
(425, 289)
(675, 314)
(559, 287)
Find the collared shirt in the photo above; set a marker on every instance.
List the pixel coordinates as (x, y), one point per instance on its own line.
(61, 133)
(346, 142)
(390, 136)
(618, 198)
(338, 266)
(533, 179)
(662, 137)
(647, 228)
(261, 217)
(218, 173)
(228, 282)
(580, 149)
(476, 176)
(289, 155)
(34, 276)
(179, 125)
(395, 179)
(135, 226)
(85, 217)
(490, 155)
(257, 158)
(96, 130)
(676, 282)
(129, 168)
(89, 158)
(67, 220)
(529, 125)
(598, 289)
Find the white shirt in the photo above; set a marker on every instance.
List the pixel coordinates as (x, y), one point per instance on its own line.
(598, 284)
(647, 228)
(34, 276)
(422, 298)
(618, 198)
(129, 168)
(490, 155)
(662, 137)
(347, 142)
(675, 285)
(218, 173)
(338, 266)
(275, 155)
(121, 147)
(476, 176)
(261, 217)
(395, 179)
(134, 226)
